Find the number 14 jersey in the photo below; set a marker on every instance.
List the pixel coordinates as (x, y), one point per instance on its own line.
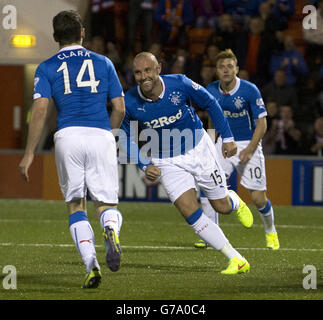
(80, 82)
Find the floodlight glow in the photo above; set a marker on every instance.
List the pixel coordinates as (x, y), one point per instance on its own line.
(23, 41)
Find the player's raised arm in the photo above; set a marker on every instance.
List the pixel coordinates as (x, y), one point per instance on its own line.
(36, 124)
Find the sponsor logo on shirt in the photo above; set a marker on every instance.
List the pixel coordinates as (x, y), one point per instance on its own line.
(162, 121)
(230, 114)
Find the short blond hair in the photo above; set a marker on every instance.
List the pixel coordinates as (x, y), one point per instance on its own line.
(226, 54)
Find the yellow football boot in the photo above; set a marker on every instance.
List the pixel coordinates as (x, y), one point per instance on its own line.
(237, 266)
(200, 244)
(244, 214)
(272, 241)
(92, 279)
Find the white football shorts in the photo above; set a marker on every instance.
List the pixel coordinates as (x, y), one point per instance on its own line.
(199, 166)
(253, 173)
(86, 159)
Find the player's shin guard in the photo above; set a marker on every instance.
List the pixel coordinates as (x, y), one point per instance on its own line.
(83, 236)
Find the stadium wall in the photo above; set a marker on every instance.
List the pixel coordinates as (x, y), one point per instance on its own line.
(296, 181)
(33, 17)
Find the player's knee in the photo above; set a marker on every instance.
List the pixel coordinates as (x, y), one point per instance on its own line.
(222, 206)
(101, 206)
(76, 204)
(259, 198)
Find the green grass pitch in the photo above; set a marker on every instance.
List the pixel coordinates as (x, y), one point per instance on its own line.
(159, 261)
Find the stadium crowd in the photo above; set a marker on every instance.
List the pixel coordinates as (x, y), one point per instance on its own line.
(186, 35)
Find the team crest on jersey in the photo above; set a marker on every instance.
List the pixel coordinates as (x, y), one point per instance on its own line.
(239, 102)
(175, 98)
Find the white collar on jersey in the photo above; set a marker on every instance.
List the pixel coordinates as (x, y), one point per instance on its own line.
(234, 90)
(77, 46)
(149, 100)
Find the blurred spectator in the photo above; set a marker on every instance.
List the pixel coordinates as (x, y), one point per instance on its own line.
(127, 71)
(178, 66)
(156, 50)
(291, 60)
(272, 112)
(308, 102)
(271, 22)
(277, 90)
(241, 10)
(123, 81)
(283, 9)
(175, 18)
(207, 74)
(288, 136)
(140, 12)
(97, 45)
(314, 40)
(181, 62)
(243, 74)
(254, 49)
(225, 35)
(269, 139)
(87, 44)
(113, 54)
(316, 141)
(102, 19)
(210, 53)
(207, 12)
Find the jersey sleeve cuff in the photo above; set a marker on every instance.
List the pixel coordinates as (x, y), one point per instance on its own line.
(262, 115)
(37, 95)
(143, 166)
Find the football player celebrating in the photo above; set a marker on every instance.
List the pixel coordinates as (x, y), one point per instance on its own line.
(182, 154)
(80, 82)
(244, 108)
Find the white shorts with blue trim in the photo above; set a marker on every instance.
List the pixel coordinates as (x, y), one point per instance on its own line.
(252, 173)
(199, 166)
(86, 160)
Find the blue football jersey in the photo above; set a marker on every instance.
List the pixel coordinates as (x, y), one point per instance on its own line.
(173, 113)
(242, 106)
(80, 82)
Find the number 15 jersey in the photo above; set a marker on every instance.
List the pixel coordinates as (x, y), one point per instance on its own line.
(80, 82)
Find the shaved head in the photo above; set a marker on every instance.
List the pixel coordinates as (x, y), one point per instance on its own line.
(146, 71)
(145, 55)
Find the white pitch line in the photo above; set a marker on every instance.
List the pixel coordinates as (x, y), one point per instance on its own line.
(64, 245)
(282, 226)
